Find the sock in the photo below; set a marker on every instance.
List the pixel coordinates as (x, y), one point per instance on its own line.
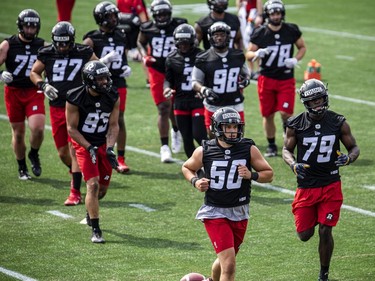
(164, 141)
(324, 271)
(120, 153)
(77, 179)
(271, 141)
(34, 151)
(95, 223)
(22, 164)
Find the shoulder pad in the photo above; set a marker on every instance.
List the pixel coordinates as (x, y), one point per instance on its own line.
(180, 20)
(90, 33)
(146, 25)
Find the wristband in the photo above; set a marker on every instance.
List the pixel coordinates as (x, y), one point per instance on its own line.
(40, 85)
(254, 176)
(193, 181)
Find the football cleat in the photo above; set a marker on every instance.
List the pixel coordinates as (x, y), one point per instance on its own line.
(176, 139)
(97, 236)
(35, 164)
(74, 198)
(165, 154)
(23, 174)
(122, 167)
(271, 151)
(147, 84)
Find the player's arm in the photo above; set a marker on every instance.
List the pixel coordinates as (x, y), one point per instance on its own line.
(349, 142)
(199, 33)
(88, 41)
(191, 166)
(113, 127)
(36, 72)
(142, 44)
(263, 171)
(198, 77)
(237, 42)
(4, 47)
(301, 47)
(290, 143)
(259, 17)
(250, 54)
(72, 120)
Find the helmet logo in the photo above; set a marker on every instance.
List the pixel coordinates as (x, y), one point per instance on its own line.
(30, 19)
(61, 38)
(161, 7)
(102, 70)
(313, 91)
(183, 36)
(229, 115)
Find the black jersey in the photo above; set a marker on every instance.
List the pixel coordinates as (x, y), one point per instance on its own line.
(220, 164)
(317, 143)
(161, 41)
(179, 68)
(94, 113)
(281, 46)
(222, 75)
(205, 23)
(107, 42)
(64, 71)
(20, 59)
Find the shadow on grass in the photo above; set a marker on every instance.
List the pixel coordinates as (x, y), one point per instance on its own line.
(121, 204)
(27, 201)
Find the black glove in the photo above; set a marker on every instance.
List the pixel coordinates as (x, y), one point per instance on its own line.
(299, 169)
(342, 159)
(243, 82)
(208, 93)
(111, 156)
(92, 150)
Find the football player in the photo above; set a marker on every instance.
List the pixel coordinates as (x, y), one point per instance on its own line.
(317, 134)
(274, 44)
(230, 163)
(19, 52)
(155, 42)
(217, 13)
(103, 41)
(188, 108)
(92, 112)
(220, 74)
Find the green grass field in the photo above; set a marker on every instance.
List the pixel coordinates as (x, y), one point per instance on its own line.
(165, 242)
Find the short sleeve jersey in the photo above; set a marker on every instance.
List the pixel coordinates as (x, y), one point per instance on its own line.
(64, 71)
(281, 47)
(317, 143)
(161, 42)
(20, 59)
(206, 22)
(94, 113)
(222, 75)
(107, 42)
(226, 189)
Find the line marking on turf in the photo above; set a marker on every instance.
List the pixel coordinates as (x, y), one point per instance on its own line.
(370, 187)
(341, 57)
(143, 207)
(60, 214)
(16, 274)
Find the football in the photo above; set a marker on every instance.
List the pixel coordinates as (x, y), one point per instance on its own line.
(193, 277)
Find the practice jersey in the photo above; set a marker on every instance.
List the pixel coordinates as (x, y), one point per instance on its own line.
(317, 143)
(160, 41)
(64, 71)
(179, 68)
(20, 59)
(280, 45)
(221, 74)
(231, 20)
(220, 164)
(107, 42)
(94, 113)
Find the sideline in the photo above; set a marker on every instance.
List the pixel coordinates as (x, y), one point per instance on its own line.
(16, 275)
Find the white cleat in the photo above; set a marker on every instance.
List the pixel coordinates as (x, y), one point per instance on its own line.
(165, 154)
(176, 140)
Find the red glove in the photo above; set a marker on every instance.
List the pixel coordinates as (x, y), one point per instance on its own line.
(148, 60)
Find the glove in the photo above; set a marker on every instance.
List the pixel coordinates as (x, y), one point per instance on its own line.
(111, 156)
(168, 93)
(261, 53)
(127, 71)
(136, 21)
(49, 91)
(208, 94)
(110, 57)
(342, 159)
(6, 77)
(291, 62)
(92, 150)
(148, 60)
(299, 169)
(243, 82)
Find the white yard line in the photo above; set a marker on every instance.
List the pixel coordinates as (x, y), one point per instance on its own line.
(16, 275)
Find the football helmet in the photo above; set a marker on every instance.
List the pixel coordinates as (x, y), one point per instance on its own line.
(184, 33)
(161, 11)
(218, 6)
(63, 34)
(313, 89)
(219, 27)
(93, 70)
(28, 17)
(272, 6)
(102, 14)
(227, 115)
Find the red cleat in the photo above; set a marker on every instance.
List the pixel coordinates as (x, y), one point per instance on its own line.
(122, 167)
(74, 198)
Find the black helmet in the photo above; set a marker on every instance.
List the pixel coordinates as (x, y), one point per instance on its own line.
(91, 71)
(219, 27)
(63, 34)
(226, 115)
(161, 11)
(313, 89)
(218, 6)
(28, 17)
(184, 33)
(272, 6)
(102, 12)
